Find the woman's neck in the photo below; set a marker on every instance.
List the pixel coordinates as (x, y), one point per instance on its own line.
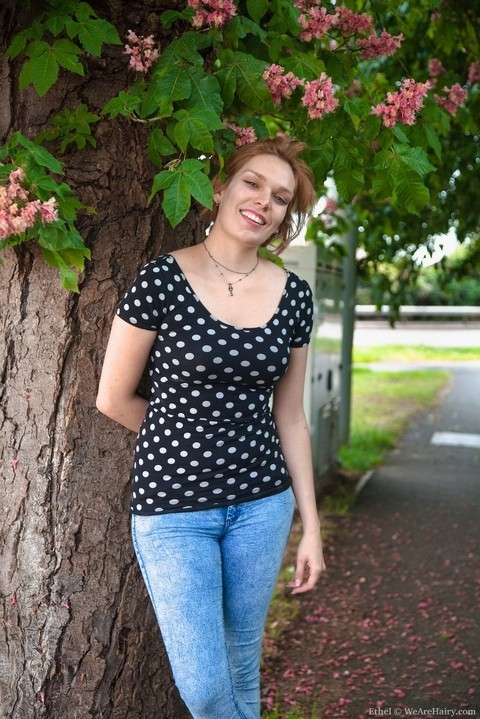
(235, 256)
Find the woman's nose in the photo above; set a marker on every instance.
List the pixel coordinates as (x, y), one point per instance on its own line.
(263, 198)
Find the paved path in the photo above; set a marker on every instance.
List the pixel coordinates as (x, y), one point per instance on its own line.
(393, 628)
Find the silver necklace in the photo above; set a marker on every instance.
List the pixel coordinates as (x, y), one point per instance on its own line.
(219, 267)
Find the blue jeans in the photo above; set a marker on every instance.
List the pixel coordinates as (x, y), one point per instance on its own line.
(211, 575)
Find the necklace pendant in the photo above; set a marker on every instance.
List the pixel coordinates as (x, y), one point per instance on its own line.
(230, 289)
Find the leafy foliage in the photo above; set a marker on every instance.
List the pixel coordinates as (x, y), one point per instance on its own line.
(62, 245)
(401, 182)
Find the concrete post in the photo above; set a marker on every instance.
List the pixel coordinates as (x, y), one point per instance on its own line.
(348, 320)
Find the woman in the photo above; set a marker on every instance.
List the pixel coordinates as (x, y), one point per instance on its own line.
(215, 463)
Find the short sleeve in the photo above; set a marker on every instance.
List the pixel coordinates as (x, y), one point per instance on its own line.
(144, 303)
(304, 314)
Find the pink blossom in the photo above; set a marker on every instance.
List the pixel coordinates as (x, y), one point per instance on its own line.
(455, 98)
(142, 51)
(315, 21)
(48, 211)
(319, 97)
(352, 23)
(354, 89)
(474, 72)
(331, 206)
(379, 46)
(435, 67)
(403, 105)
(17, 213)
(244, 134)
(280, 85)
(212, 12)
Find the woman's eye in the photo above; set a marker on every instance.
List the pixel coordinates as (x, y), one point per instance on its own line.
(281, 199)
(251, 182)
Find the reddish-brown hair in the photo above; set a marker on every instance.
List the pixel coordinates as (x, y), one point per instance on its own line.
(303, 200)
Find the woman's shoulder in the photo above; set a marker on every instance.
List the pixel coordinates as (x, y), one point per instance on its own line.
(298, 284)
(160, 264)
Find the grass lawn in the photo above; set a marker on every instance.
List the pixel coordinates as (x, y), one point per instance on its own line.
(416, 353)
(382, 405)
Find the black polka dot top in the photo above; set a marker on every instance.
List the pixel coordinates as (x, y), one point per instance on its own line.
(208, 438)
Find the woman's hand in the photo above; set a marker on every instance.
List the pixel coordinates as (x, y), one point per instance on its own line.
(310, 564)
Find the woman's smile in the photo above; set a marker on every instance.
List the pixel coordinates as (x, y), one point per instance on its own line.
(253, 217)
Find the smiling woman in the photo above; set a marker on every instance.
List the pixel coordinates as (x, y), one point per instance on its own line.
(298, 204)
(223, 331)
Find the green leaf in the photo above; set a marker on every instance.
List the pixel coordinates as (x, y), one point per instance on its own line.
(410, 190)
(68, 277)
(18, 43)
(40, 154)
(396, 177)
(356, 109)
(416, 158)
(25, 77)
(372, 127)
(257, 9)
(186, 48)
(321, 159)
(199, 184)
(92, 33)
(302, 64)
(124, 104)
(161, 181)
(192, 129)
(227, 78)
(251, 90)
(348, 182)
(400, 135)
(433, 140)
(43, 70)
(339, 67)
(348, 168)
(176, 199)
(385, 167)
(205, 96)
(169, 17)
(158, 146)
(173, 84)
(56, 23)
(66, 54)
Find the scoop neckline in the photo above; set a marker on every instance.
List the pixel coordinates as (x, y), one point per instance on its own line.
(229, 324)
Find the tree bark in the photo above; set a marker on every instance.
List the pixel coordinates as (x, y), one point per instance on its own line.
(78, 637)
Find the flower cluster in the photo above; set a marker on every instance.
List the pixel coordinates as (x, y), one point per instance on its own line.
(474, 72)
(435, 67)
(212, 12)
(352, 23)
(402, 106)
(316, 22)
(331, 206)
(142, 51)
(244, 134)
(456, 96)
(379, 45)
(17, 213)
(319, 97)
(280, 85)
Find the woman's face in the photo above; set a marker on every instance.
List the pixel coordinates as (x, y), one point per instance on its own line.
(254, 202)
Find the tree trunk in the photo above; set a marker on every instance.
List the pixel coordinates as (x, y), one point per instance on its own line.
(78, 637)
